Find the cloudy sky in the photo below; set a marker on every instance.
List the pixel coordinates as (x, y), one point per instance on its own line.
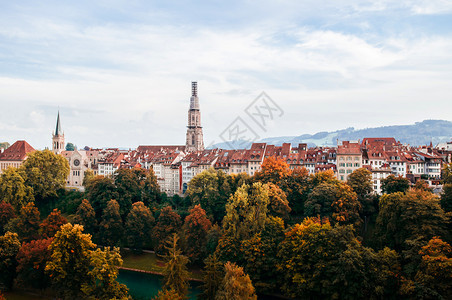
(120, 71)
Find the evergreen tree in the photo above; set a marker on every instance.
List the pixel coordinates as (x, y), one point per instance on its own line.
(212, 278)
(175, 272)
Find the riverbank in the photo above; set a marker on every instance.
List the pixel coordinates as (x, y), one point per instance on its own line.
(149, 262)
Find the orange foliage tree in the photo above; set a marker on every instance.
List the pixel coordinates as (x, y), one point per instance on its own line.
(196, 227)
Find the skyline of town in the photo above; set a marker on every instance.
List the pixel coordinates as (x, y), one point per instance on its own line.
(120, 72)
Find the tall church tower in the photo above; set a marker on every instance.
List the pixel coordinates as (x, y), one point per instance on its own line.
(194, 130)
(58, 138)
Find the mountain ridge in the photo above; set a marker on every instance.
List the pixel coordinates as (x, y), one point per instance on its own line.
(417, 134)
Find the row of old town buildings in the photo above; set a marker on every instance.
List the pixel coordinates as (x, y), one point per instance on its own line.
(175, 165)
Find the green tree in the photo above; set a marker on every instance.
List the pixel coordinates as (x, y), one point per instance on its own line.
(9, 247)
(45, 172)
(196, 227)
(70, 147)
(150, 189)
(446, 196)
(212, 277)
(71, 259)
(32, 259)
(393, 184)
(13, 189)
(175, 272)
(99, 191)
(246, 211)
(138, 226)
(28, 222)
(86, 217)
(360, 181)
(111, 229)
(128, 188)
(236, 284)
(6, 214)
(103, 272)
(404, 217)
(52, 224)
(168, 223)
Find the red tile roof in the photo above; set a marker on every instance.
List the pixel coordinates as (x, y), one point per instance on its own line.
(17, 151)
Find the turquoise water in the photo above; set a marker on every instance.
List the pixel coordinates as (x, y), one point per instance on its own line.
(143, 286)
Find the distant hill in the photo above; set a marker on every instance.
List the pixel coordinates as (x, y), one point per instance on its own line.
(420, 133)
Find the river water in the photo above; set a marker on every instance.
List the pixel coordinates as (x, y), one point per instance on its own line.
(143, 286)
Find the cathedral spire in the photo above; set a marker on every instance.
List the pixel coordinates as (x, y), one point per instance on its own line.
(58, 137)
(58, 130)
(194, 140)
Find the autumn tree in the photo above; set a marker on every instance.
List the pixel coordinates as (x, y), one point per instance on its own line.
(435, 270)
(111, 229)
(28, 222)
(324, 262)
(99, 191)
(393, 184)
(13, 189)
(138, 226)
(32, 259)
(196, 227)
(278, 204)
(236, 284)
(212, 277)
(404, 217)
(52, 224)
(422, 185)
(103, 272)
(70, 263)
(168, 295)
(6, 214)
(168, 223)
(86, 216)
(45, 172)
(446, 196)
(336, 201)
(175, 271)
(9, 247)
(78, 271)
(273, 170)
(260, 256)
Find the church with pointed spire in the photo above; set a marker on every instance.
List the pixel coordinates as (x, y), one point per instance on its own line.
(195, 140)
(58, 138)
